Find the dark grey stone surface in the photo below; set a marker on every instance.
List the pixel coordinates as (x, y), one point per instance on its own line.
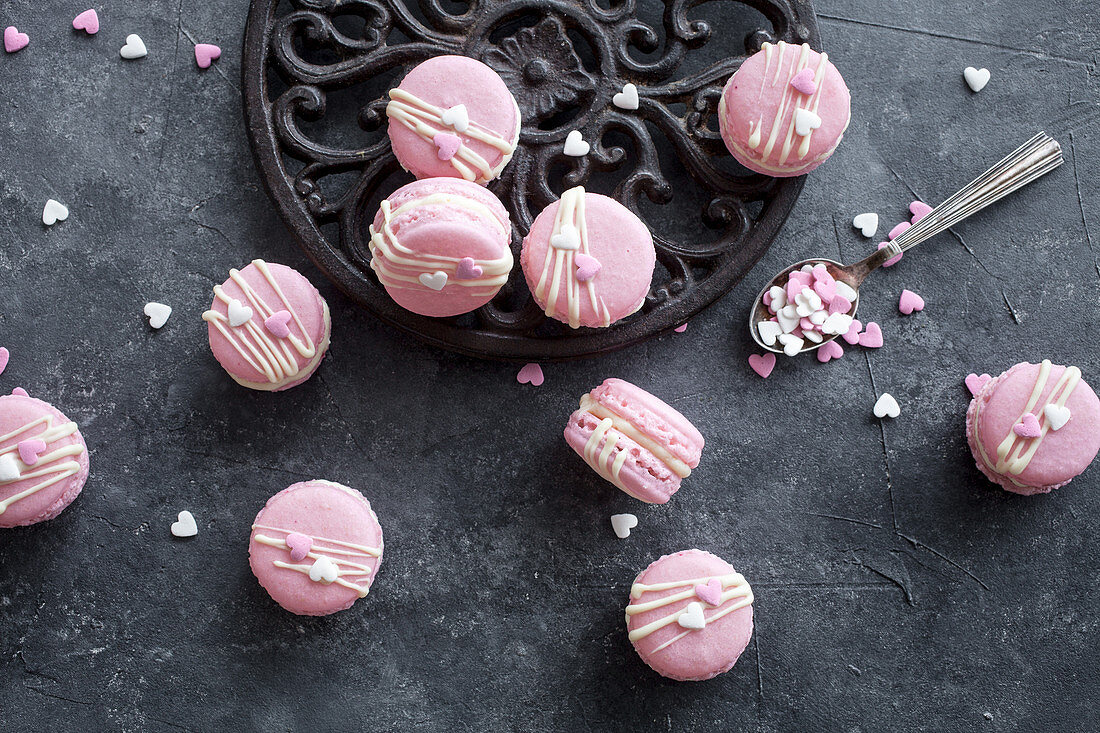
(896, 589)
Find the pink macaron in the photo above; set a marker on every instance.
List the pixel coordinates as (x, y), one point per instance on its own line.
(268, 326)
(588, 260)
(785, 110)
(441, 246)
(316, 547)
(43, 461)
(1034, 428)
(634, 440)
(453, 116)
(690, 615)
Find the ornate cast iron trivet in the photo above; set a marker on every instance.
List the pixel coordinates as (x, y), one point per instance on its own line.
(563, 60)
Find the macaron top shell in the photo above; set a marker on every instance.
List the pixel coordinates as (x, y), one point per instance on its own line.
(441, 246)
(477, 140)
(757, 114)
(690, 615)
(652, 416)
(316, 547)
(1055, 456)
(588, 260)
(43, 461)
(256, 352)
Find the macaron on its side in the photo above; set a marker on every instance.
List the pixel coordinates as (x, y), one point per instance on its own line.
(639, 473)
(268, 326)
(588, 260)
(453, 116)
(441, 246)
(1033, 465)
(43, 461)
(634, 440)
(760, 104)
(690, 615)
(316, 547)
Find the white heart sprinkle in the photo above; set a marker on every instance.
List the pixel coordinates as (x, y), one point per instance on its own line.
(435, 280)
(779, 297)
(9, 469)
(627, 98)
(887, 406)
(158, 314)
(53, 212)
(845, 291)
(1056, 415)
(324, 571)
(788, 318)
(976, 79)
(807, 302)
(769, 332)
(134, 48)
(185, 526)
(814, 336)
(693, 617)
(456, 117)
(239, 314)
(791, 344)
(805, 121)
(837, 324)
(568, 238)
(818, 316)
(622, 524)
(576, 145)
(867, 224)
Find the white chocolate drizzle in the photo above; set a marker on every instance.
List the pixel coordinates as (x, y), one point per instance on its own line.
(736, 594)
(53, 466)
(278, 359)
(351, 573)
(627, 428)
(401, 267)
(426, 120)
(571, 212)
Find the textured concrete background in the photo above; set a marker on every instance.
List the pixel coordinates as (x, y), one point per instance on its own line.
(896, 589)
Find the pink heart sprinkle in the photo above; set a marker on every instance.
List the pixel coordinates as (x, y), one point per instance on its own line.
(530, 374)
(4, 356)
(898, 230)
(468, 269)
(794, 287)
(892, 260)
(277, 324)
(681, 328)
(20, 391)
(587, 267)
(910, 302)
(711, 593)
(447, 144)
(87, 21)
(871, 336)
(14, 40)
(299, 545)
(762, 364)
(821, 272)
(1028, 427)
(798, 332)
(29, 450)
(974, 382)
(767, 298)
(805, 278)
(919, 210)
(852, 335)
(804, 82)
(828, 351)
(839, 304)
(825, 289)
(206, 54)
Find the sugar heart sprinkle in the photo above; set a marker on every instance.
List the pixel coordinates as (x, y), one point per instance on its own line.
(867, 224)
(975, 383)
(587, 267)
(1057, 415)
(976, 79)
(709, 592)
(53, 212)
(88, 21)
(886, 406)
(433, 280)
(134, 48)
(278, 324)
(206, 54)
(804, 82)
(299, 545)
(871, 337)
(910, 302)
(919, 210)
(530, 374)
(693, 617)
(447, 144)
(621, 524)
(1028, 427)
(468, 269)
(14, 40)
(29, 450)
(575, 145)
(185, 525)
(627, 98)
(762, 364)
(158, 314)
(4, 356)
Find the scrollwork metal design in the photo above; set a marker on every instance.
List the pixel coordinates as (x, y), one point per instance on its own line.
(564, 60)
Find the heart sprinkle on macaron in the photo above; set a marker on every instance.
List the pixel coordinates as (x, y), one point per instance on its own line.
(975, 382)
(278, 324)
(468, 269)
(1028, 427)
(709, 592)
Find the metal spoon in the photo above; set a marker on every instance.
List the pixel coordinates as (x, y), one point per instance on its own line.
(1037, 157)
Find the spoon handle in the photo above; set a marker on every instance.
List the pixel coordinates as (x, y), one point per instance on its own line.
(1037, 157)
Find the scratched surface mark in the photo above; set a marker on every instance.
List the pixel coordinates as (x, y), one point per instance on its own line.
(896, 589)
